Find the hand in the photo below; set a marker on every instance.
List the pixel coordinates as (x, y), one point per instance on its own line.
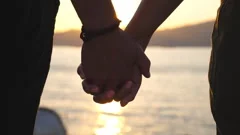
(109, 60)
(111, 57)
(125, 93)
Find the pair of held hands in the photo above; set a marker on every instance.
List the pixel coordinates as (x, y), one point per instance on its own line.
(112, 66)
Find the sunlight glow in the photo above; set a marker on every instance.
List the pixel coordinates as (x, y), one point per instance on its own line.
(109, 122)
(112, 108)
(189, 12)
(125, 10)
(109, 125)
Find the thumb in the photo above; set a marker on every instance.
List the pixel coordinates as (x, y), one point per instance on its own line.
(143, 63)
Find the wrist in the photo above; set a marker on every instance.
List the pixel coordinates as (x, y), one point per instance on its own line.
(95, 14)
(89, 34)
(140, 39)
(99, 23)
(143, 43)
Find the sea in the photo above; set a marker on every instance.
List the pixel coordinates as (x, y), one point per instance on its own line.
(174, 101)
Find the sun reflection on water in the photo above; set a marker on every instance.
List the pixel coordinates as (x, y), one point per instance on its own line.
(109, 121)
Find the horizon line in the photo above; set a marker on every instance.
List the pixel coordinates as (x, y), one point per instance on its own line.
(159, 29)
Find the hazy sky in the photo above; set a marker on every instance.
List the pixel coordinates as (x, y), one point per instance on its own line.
(189, 12)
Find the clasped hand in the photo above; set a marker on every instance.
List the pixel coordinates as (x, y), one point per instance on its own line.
(112, 66)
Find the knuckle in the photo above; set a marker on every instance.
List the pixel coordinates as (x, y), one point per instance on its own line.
(78, 70)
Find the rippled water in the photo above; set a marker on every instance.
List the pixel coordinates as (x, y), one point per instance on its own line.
(174, 101)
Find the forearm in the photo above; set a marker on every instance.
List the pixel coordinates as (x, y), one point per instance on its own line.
(95, 14)
(148, 17)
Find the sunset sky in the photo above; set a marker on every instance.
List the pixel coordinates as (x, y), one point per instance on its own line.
(189, 12)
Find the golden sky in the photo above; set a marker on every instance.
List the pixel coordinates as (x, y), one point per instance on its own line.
(189, 12)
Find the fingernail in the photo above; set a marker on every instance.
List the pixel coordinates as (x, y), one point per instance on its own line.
(123, 103)
(110, 94)
(81, 74)
(129, 84)
(95, 89)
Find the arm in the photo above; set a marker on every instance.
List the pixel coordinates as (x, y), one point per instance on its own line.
(95, 14)
(149, 16)
(102, 59)
(141, 27)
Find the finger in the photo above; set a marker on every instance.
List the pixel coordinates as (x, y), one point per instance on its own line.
(111, 84)
(131, 96)
(109, 92)
(80, 72)
(123, 91)
(105, 97)
(90, 88)
(136, 76)
(143, 63)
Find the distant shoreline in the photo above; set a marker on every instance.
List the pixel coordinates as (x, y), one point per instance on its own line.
(197, 35)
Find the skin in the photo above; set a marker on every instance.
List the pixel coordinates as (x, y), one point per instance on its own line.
(141, 28)
(102, 59)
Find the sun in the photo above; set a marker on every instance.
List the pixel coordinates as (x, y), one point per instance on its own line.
(125, 10)
(189, 12)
